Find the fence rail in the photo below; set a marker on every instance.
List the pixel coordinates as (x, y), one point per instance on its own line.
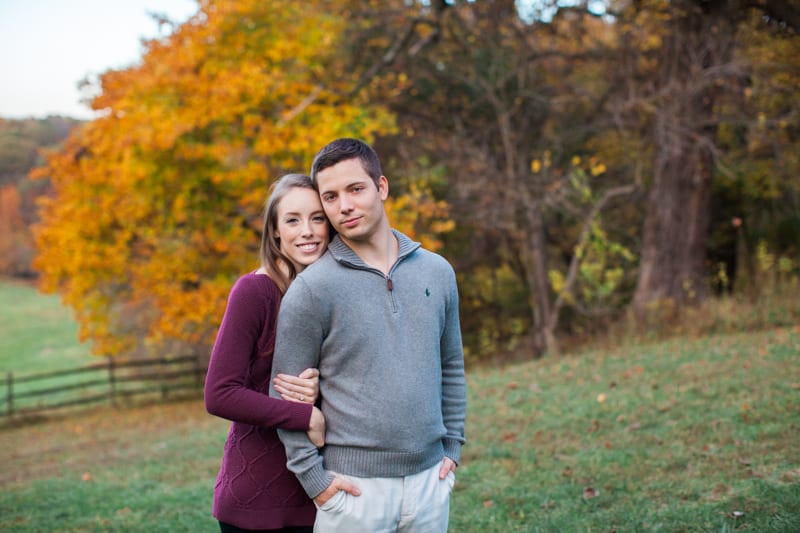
(112, 381)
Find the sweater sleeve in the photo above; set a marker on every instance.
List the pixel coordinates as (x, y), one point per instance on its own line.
(297, 346)
(454, 388)
(249, 315)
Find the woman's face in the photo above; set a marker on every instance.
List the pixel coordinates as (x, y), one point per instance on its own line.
(302, 228)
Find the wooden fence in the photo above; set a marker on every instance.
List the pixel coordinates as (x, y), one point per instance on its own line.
(112, 382)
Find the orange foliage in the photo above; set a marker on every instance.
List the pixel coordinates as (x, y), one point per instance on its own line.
(420, 216)
(157, 203)
(13, 231)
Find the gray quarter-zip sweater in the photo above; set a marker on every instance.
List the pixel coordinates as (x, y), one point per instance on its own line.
(391, 364)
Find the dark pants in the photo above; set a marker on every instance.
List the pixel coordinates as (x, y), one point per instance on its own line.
(227, 528)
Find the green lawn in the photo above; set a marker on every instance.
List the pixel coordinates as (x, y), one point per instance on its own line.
(37, 332)
(684, 435)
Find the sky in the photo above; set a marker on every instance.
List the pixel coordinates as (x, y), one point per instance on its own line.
(48, 46)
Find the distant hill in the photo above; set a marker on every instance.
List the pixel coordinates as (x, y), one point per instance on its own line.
(21, 143)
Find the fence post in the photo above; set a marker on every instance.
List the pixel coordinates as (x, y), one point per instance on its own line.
(112, 383)
(10, 393)
(198, 378)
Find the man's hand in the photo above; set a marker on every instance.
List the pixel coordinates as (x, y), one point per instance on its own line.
(336, 485)
(316, 428)
(448, 465)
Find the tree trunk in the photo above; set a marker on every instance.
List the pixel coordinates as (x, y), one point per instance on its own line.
(672, 270)
(673, 261)
(535, 263)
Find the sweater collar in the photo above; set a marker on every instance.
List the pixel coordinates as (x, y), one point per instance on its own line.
(344, 254)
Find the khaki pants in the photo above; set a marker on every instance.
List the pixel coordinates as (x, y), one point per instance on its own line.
(419, 503)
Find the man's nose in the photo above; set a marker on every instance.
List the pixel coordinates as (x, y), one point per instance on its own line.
(345, 205)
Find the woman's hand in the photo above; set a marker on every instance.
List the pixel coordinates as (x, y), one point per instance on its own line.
(316, 428)
(303, 388)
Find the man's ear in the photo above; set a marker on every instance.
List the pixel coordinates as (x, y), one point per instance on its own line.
(383, 187)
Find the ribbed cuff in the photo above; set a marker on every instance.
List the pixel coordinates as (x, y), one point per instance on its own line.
(452, 449)
(316, 480)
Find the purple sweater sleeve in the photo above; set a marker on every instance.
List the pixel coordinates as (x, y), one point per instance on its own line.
(239, 367)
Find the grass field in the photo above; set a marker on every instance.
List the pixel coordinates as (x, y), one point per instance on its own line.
(37, 333)
(691, 434)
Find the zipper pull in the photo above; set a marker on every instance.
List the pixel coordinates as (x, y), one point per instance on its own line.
(389, 284)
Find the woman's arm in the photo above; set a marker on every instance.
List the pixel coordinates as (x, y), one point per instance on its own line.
(250, 314)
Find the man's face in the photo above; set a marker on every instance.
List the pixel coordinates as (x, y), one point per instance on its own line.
(352, 202)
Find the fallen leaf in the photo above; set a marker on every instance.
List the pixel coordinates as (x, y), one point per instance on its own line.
(590, 492)
(790, 476)
(86, 476)
(487, 503)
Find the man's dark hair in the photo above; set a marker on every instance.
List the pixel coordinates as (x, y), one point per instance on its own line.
(342, 150)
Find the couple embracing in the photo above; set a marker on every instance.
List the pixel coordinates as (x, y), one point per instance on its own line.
(357, 385)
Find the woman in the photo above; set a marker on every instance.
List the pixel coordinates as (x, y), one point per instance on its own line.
(254, 490)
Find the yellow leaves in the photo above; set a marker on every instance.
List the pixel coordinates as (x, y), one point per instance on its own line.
(597, 169)
(557, 281)
(157, 202)
(545, 162)
(420, 216)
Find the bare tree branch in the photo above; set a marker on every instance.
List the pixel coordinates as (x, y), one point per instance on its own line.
(572, 272)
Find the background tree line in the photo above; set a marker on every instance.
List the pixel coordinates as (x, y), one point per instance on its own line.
(577, 162)
(21, 142)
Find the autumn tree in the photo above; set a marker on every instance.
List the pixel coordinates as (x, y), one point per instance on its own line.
(503, 104)
(756, 200)
(686, 64)
(157, 203)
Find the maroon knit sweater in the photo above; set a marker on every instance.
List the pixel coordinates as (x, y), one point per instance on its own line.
(254, 490)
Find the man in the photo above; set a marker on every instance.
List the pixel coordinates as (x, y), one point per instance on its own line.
(378, 315)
